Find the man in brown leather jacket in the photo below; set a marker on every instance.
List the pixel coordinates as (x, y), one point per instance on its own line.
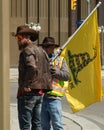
(34, 78)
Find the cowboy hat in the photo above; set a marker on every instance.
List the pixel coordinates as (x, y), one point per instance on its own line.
(24, 29)
(48, 41)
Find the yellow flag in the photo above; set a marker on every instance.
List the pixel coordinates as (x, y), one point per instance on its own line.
(82, 54)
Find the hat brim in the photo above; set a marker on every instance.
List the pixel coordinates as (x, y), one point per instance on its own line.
(46, 45)
(34, 34)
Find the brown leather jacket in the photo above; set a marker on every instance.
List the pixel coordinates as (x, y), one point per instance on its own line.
(34, 69)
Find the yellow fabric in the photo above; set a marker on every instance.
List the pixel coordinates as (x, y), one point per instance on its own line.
(103, 93)
(58, 62)
(83, 57)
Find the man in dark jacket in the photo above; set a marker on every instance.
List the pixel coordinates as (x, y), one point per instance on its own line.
(34, 78)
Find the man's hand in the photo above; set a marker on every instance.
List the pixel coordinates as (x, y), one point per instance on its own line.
(27, 89)
(52, 69)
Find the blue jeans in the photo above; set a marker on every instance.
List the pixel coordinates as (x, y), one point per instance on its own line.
(29, 109)
(51, 114)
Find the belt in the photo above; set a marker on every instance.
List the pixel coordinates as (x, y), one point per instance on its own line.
(34, 91)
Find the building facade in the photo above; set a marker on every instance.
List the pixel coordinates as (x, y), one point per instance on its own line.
(55, 17)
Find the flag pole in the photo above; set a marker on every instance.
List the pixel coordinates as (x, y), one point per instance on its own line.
(69, 39)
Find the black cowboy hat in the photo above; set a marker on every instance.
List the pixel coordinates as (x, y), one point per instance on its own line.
(48, 41)
(24, 29)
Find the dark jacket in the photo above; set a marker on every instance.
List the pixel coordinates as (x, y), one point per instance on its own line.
(34, 69)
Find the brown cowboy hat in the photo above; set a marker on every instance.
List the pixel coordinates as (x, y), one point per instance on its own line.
(24, 29)
(48, 41)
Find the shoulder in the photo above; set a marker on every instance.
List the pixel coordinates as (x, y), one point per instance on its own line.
(29, 50)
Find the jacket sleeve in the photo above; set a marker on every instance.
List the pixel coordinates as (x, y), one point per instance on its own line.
(31, 69)
(63, 73)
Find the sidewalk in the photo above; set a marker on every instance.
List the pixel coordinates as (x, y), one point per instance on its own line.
(70, 121)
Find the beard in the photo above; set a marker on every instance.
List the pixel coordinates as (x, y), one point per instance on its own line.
(23, 43)
(21, 47)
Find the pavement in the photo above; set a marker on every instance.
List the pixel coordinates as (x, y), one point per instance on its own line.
(70, 121)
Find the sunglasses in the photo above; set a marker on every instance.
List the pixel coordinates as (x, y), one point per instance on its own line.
(19, 37)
